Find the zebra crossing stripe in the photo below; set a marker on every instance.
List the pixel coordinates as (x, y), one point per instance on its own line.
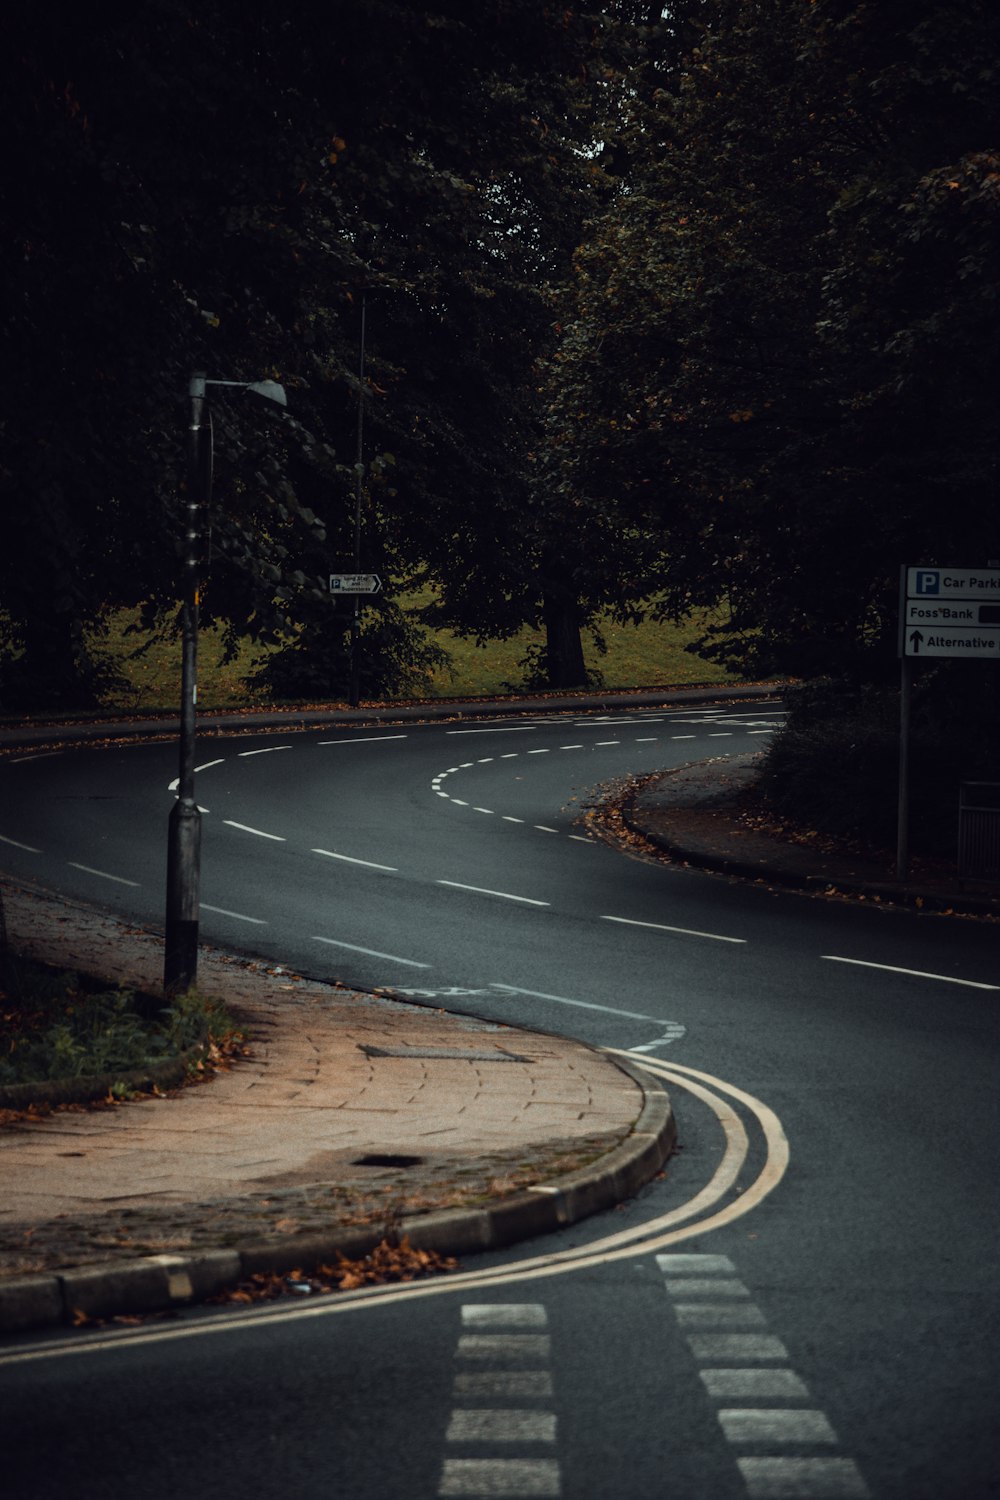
(753, 1366)
(492, 1332)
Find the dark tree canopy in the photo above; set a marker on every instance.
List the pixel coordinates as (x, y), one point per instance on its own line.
(219, 187)
(663, 307)
(778, 375)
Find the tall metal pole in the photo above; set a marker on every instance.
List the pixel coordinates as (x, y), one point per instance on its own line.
(903, 812)
(359, 472)
(180, 965)
(905, 700)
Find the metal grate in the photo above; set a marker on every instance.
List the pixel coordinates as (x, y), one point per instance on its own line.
(447, 1054)
(979, 830)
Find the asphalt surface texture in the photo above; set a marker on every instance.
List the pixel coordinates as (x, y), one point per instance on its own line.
(354, 1120)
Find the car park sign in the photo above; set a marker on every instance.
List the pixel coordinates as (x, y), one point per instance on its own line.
(950, 612)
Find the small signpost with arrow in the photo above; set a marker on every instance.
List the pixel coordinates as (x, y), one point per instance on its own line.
(355, 583)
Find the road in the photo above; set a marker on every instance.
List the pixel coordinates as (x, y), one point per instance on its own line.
(837, 1340)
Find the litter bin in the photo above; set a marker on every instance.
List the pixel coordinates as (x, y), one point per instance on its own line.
(979, 830)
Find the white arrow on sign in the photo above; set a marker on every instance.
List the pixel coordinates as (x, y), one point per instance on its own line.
(934, 640)
(355, 583)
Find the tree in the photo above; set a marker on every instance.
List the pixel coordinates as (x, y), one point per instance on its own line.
(219, 188)
(750, 386)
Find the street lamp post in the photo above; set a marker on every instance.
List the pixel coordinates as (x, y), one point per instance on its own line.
(359, 480)
(180, 963)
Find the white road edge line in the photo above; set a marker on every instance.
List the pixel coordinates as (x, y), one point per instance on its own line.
(482, 891)
(369, 864)
(268, 750)
(972, 984)
(15, 844)
(244, 828)
(89, 870)
(393, 958)
(716, 937)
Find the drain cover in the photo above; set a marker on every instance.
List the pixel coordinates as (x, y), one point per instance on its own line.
(386, 1159)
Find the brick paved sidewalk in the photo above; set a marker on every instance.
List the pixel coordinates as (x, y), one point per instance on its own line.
(466, 1112)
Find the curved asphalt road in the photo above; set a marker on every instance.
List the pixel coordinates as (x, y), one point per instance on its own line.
(448, 862)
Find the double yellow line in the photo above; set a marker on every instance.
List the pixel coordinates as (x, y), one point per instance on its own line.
(699, 1215)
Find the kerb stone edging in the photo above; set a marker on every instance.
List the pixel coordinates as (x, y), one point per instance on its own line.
(151, 1283)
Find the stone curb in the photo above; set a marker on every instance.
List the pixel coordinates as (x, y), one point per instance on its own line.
(152, 1283)
(957, 902)
(168, 1073)
(36, 736)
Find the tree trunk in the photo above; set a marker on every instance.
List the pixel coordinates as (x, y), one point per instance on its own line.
(564, 661)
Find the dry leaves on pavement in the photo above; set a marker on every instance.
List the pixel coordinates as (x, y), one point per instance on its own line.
(388, 1262)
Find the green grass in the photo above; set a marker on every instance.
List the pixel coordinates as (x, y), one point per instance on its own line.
(56, 1024)
(648, 655)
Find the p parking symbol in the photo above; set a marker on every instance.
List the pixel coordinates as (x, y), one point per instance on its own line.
(928, 581)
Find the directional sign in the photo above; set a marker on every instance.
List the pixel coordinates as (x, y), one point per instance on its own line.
(951, 612)
(355, 583)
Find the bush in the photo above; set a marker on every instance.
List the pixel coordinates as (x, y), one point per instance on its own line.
(835, 765)
(395, 657)
(57, 1024)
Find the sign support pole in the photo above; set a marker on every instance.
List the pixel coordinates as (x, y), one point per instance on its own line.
(903, 818)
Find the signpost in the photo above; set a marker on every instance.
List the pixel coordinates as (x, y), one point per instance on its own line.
(943, 612)
(355, 583)
(950, 612)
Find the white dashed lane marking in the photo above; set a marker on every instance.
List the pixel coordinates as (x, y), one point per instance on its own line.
(972, 984)
(490, 1419)
(374, 739)
(754, 1367)
(715, 937)
(237, 916)
(392, 958)
(276, 838)
(349, 860)
(101, 874)
(479, 890)
(711, 717)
